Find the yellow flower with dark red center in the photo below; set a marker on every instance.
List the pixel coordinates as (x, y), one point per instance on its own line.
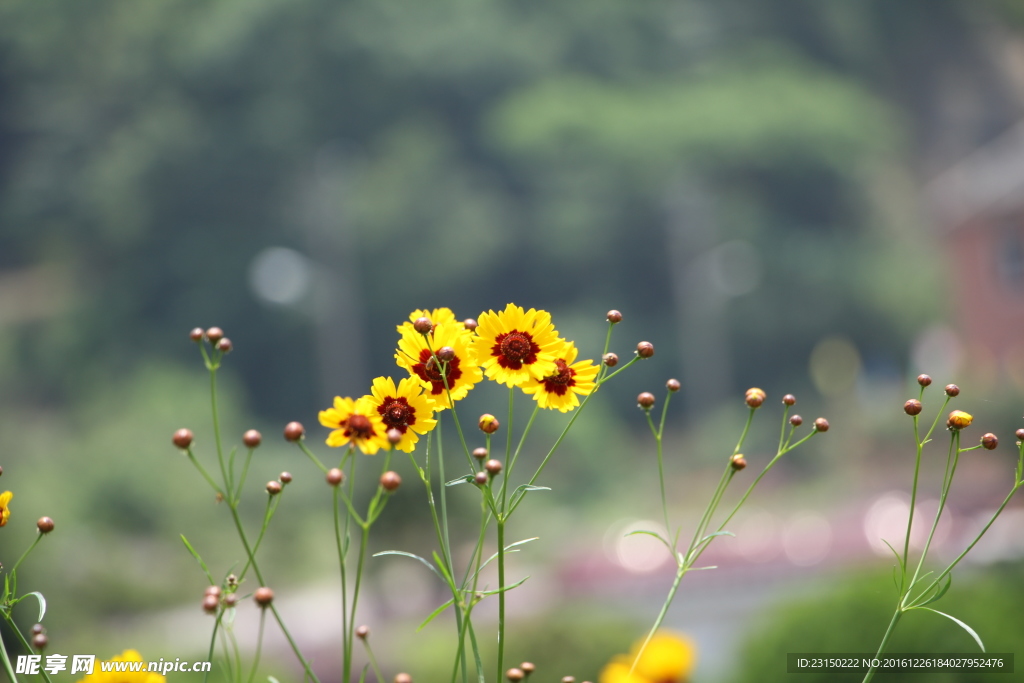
(98, 675)
(668, 658)
(355, 422)
(402, 407)
(559, 389)
(514, 345)
(417, 353)
(958, 419)
(5, 512)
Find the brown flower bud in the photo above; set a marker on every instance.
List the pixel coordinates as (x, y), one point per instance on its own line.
(1, 471)
(481, 479)
(645, 349)
(528, 668)
(924, 380)
(394, 435)
(952, 390)
(515, 674)
(210, 603)
(796, 420)
(611, 359)
(989, 441)
(273, 487)
(263, 596)
(469, 324)
(196, 334)
(614, 317)
(1020, 434)
(232, 580)
(738, 462)
(422, 325)
(293, 431)
(231, 599)
(45, 525)
(252, 438)
(493, 467)
(912, 407)
(789, 400)
(821, 425)
(488, 423)
(645, 400)
(362, 632)
(390, 481)
(214, 334)
(182, 438)
(958, 419)
(755, 397)
(673, 385)
(285, 477)
(446, 354)
(212, 590)
(37, 629)
(225, 345)
(39, 641)
(403, 678)
(335, 477)
(480, 453)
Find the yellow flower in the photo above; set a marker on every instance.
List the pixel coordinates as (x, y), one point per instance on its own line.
(436, 316)
(559, 389)
(404, 408)
(143, 676)
(356, 422)
(958, 419)
(514, 346)
(416, 354)
(5, 512)
(668, 658)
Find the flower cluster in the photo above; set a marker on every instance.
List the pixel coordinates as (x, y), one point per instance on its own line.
(445, 359)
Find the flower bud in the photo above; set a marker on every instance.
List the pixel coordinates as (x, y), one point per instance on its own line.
(738, 462)
(755, 397)
(214, 334)
(958, 419)
(263, 596)
(821, 425)
(611, 359)
(213, 590)
(231, 599)
(488, 423)
(232, 580)
(568, 679)
(196, 334)
(252, 438)
(789, 400)
(924, 380)
(362, 632)
(293, 431)
(796, 420)
(335, 477)
(446, 354)
(39, 641)
(45, 525)
(273, 487)
(210, 603)
(403, 678)
(1020, 434)
(645, 400)
(1, 471)
(515, 674)
(390, 481)
(38, 628)
(952, 390)
(481, 479)
(528, 668)
(394, 436)
(422, 325)
(912, 407)
(673, 385)
(224, 345)
(989, 441)
(645, 349)
(285, 477)
(469, 324)
(614, 317)
(493, 467)
(182, 438)
(480, 453)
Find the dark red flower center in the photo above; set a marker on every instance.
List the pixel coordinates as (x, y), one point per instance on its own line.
(562, 379)
(358, 427)
(429, 370)
(397, 413)
(515, 349)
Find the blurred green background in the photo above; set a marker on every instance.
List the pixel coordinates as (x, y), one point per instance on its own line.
(748, 183)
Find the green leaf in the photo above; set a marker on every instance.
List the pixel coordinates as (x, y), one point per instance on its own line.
(959, 623)
(898, 558)
(717, 533)
(651, 533)
(464, 479)
(507, 549)
(198, 559)
(942, 591)
(415, 557)
(523, 488)
(42, 603)
(517, 584)
(271, 679)
(435, 613)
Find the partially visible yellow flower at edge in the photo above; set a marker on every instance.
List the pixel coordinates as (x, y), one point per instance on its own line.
(356, 422)
(558, 390)
(416, 354)
(958, 419)
(514, 345)
(403, 407)
(100, 676)
(668, 658)
(5, 512)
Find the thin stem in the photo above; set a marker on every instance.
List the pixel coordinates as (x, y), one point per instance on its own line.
(661, 617)
(661, 465)
(316, 460)
(272, 502)
(25, 554)
(202, 471)
(213, 643)
(24, 642)
(7, 661)
(885, 641)
(363, 540)
(952, 457)
(519, 447)
(373, 660)
(295, 647)
(344, 580)
(216, 428)
(241, 479)
(501, 597)
(259, 646)
(913, 495)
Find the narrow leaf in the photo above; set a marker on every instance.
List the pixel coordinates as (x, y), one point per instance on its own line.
(961, 624)
(898, 558)
(415, 557)
(508, 548)
(198, 559)
(42, 603)
(464, 479)
(942, 591)
(517, 584)
(523, 488)
(435, 613)
(651, 533)
(271, 679)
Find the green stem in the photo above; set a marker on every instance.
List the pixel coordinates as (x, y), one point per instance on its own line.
(202, 471)
(241, 480)
(661, 464)
(6, 659)
(373, 660)
(661, 617)
(885, 641)
(953, 456)
(294, 645)
(363, 541)
(259, 646)
(501, 597)
(216, 428)
(25, 554)
(344, 579)
(213, 643)
(913, 496)
(272, 502)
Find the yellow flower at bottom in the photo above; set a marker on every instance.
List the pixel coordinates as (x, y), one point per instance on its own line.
(143, 676)
(558, 390)
(5, 512)
(356, 422)
(668, 658)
